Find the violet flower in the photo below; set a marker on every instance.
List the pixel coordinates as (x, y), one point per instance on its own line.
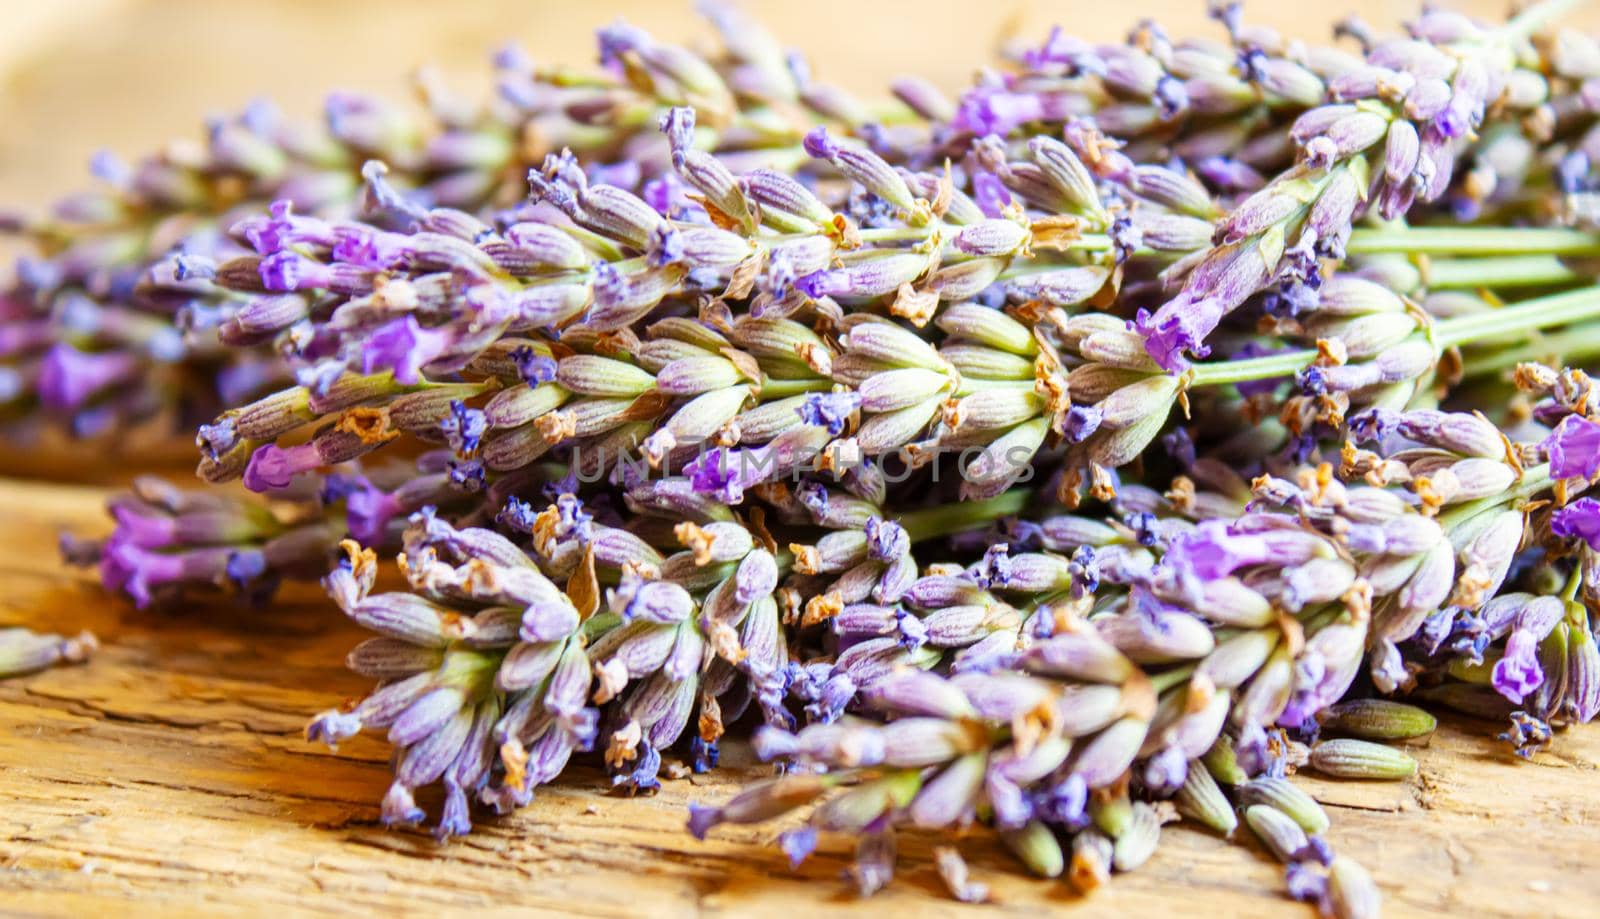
(1573, 448)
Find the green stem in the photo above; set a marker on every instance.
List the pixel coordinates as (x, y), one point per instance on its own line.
(600, 623)
(1538, 313)
(880, 234)
(1500, 272)
(1252, 368)
(1573, 346)
(1170, 678)
(1534, 18)
(935, 522)
(1569, 592)
(1472, 241)
(970, 385)
(780, 389)
(1533, 481)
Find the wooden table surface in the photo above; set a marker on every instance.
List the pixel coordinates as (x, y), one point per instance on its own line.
(169, 775)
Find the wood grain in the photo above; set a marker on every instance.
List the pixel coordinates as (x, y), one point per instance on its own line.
(169, 775)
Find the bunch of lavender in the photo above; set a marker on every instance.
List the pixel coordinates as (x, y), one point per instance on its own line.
(105, 252)
(1300, 580)
(592, 261)
(691, 633)
(117, 319)
(787, 432)
(169, 541)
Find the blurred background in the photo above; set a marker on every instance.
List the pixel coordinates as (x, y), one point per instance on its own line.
(77, 76)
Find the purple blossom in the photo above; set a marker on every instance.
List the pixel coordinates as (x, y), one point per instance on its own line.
(831, 410)
(68, 378)
(288, 270)
(1146, 529)
(677, 124)
(990, 194)
(702, 819)
(109, 168)
(1085, 570)
(464, 428)
(1181, 325)
(140, 572)
(128, 568)
(1064, 803)
(666, 245)
(1126, 238)
(995, 568)
(703, 755)
(725, 473)
(1060, 49)
(368, 510)
(819, 145)
(886, 540)
(830, 698)
(1212, 551)
(1081, 421)
(714, 473)
(909, 630)
(1517, 673)
(245, 566)
(218, 438)
(518, 514)
(374, 250)
(404, 347)
(1528, 734)
(145, 530)
(986, 110)
(1180, 446)
(280, 228)
(1572, 172)
(574, 523)
(618, 39)
(653, 601)
(1255, 751)
(1573, 448)
(272, 467)
(1374, 425)
(1011, 805)
(666, 195)
(533, 367)
(1306, 884)
(798, 844)
(400, 808)
(1164, 773)
(1172, 95)
(1578, 520)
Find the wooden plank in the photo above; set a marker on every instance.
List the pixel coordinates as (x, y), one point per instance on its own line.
(170, 774)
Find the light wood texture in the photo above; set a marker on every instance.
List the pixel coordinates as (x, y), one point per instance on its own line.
(169, 775)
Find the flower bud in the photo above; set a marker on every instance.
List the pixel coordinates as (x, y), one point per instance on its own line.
(1359, 759)
(1352, 894)
(1277, 831)
(1288, 798)
(1036, 846)
(991, 238)
(1201, 800)
(1376, 719)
